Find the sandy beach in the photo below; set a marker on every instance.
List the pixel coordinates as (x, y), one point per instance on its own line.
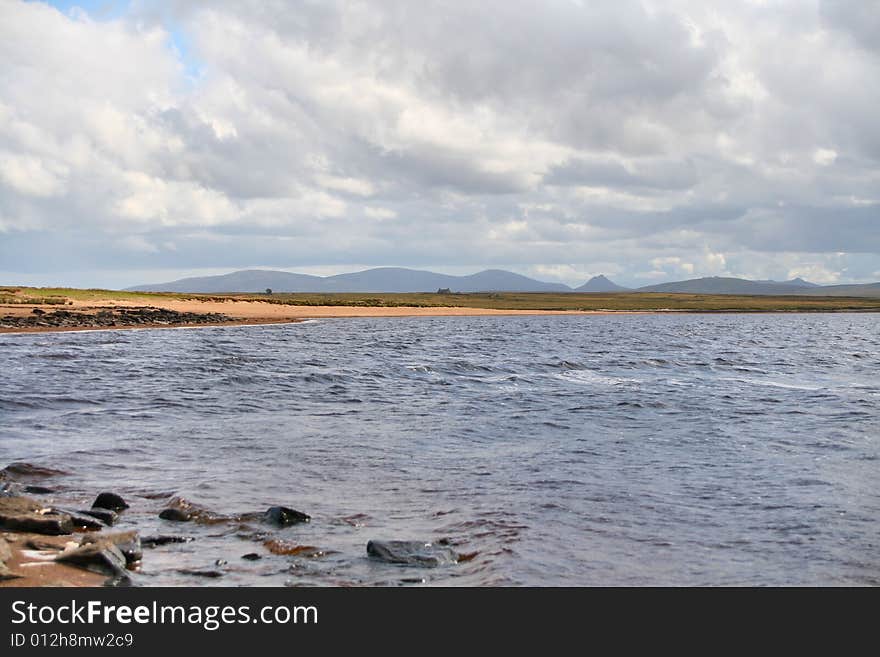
(241, 312)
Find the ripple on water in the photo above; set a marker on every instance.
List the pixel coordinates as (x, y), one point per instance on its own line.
(693, 449)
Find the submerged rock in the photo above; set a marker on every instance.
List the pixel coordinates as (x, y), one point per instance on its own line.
(201, 573)
(182, 510)
(156, 541)
(38, 490)
(283, 516)
(110, 501)
(416, 553)
(106, 516)
(251, 556)
(21, 469)
(175, 515)
(287, 548)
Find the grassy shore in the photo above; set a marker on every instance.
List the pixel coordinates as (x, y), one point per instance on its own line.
(539, 301)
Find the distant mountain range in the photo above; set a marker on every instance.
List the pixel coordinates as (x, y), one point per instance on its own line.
(382, 279)
(796, 286)
(722, 285)
(396, 279)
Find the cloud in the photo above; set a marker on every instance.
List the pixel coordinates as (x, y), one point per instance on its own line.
(640, 139)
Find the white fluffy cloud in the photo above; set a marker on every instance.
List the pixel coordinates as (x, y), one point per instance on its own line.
(646, 140)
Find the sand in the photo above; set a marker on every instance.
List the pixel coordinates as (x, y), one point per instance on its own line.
(260, 312)
(34, 568)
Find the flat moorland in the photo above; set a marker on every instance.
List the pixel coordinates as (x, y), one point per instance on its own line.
(538, 301)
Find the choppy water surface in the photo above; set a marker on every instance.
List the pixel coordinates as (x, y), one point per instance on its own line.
(641, 449)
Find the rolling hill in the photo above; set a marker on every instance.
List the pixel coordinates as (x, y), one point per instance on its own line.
(727, 285)
(382, 279)
(397, 279)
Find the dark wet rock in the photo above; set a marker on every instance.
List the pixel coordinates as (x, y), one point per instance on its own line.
(38, 490)
(276, 546)
(180, 509)
(110, 501)
(284, 516)
(247, 534)
(103, 558)
(106, 516)
(416, 553)
(251, 556)
(250, 516)
(51, 525)
(26, 514)
(37, 311)
(175, 515)
(80, 519)
(201, 572)
(128, 543)
(157, 541)
(109, 317)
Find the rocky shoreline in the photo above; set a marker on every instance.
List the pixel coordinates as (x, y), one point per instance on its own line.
(47, 543)
(113, 317)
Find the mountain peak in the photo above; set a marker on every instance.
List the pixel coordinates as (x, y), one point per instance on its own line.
(600, 283)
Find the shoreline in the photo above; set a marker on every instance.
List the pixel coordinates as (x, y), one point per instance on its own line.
(80, 316)
(113, 314)
(141, 327)
(471, 312)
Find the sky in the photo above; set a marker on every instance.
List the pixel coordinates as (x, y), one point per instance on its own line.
(645, 140)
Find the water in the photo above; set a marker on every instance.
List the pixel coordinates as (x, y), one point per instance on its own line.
(566, 450)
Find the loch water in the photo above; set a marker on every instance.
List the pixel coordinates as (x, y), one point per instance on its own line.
(665, 449)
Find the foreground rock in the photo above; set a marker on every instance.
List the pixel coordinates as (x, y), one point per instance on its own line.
(414, 553)
(128, 543)
(109, 318)
(80, 519)
(25, 514)
(32, 563)
(102, 558)
(5, 555)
